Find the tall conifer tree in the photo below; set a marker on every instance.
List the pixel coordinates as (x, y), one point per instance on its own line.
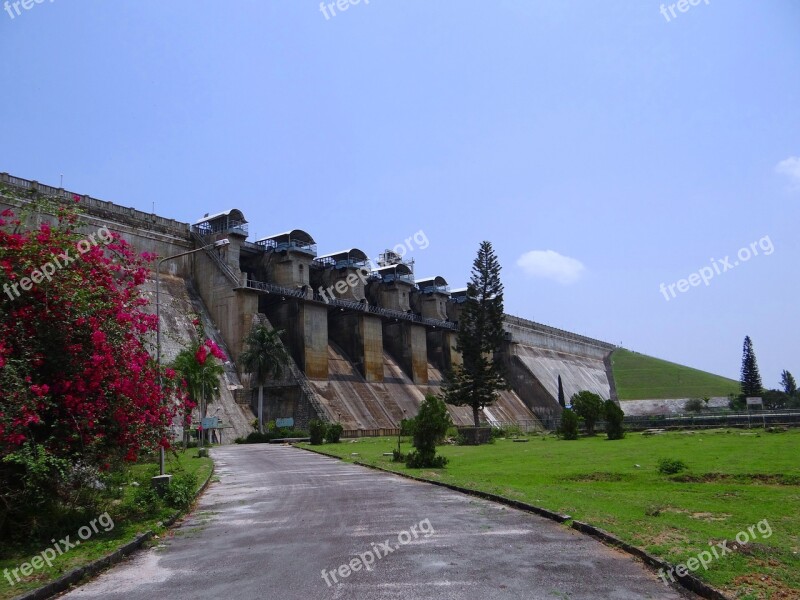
(480, 335)
(751, 378)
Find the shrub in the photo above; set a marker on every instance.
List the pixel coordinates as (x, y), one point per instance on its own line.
(427, 429)
(507, 431)
(146, 500)
(333, 433)
(614, 418)
(670, 466)
(180, 492)
(653, 510)
(694, 405)
(316, 430)
(420, 460)
(568, 429)
(405, 426)
(588, 406)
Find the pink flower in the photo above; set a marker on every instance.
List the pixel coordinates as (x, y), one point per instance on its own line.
(216, 351)
(201, 355)
(40, 390)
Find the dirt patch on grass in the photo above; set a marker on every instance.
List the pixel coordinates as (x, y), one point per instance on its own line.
(763, 478)
(761, 586)
(673, 541)
(598, 476)
(702, 516)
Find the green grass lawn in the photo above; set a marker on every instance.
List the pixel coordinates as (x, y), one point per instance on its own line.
(638, 377)
(736, 479)
(100, 543)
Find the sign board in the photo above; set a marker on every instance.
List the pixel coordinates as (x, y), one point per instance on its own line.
(210, 423)
(754, 401)
(289, 422)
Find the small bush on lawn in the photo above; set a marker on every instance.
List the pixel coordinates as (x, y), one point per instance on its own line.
(180, 492)
(316, 430)
(427, 459)
(427, 429)
(277, 434)
(145, 500)
(670, 466)
(568, 429)
(614, 417)
(334, 433)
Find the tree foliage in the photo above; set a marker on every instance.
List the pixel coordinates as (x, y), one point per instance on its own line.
(561, 399)
(80, 391)
(264, 356)
(788, 383)
(476, 382)
(589, 407)
(427, 429)
(750, 380)
(694, 405)
(199, 369)
(614, 417)
(568, 428)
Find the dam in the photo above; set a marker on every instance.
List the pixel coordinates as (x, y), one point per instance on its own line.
(367, 341)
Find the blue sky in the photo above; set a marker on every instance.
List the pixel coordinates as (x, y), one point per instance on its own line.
(602, 147)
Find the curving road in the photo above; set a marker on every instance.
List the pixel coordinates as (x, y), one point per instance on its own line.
(279, 517)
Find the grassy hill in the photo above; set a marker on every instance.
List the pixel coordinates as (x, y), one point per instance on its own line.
(638, 376)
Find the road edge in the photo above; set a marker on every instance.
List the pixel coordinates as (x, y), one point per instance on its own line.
(687, 582)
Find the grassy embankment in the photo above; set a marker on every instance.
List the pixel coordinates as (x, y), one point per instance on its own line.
(638, 376)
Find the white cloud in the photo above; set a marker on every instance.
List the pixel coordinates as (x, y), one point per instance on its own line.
(551, 265)
(791, 168)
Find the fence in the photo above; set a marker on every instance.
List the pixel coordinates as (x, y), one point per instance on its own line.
(761, 418)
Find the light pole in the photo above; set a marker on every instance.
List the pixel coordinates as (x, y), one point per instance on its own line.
(217, 244)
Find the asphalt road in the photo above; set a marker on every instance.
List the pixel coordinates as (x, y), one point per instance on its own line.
(280, 516)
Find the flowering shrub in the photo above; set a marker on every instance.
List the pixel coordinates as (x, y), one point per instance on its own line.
(76, 380)
(199, 372)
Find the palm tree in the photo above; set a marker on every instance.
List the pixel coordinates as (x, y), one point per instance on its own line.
(264, 357)
(200, 374)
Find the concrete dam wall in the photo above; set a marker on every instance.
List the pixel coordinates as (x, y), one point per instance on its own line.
(366, 341)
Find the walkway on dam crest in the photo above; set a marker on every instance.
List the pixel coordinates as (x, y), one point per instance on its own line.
(279, 516)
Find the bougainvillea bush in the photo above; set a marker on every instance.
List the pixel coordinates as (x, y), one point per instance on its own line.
(79, 391)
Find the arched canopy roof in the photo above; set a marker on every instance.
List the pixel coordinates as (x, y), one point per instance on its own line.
(399, 271)
(296, 239)
(437, 281)
(232, 213)
(229, 221)
(294, 235)
(352, 257)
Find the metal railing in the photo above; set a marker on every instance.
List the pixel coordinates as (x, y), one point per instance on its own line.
(101, 207)
(224, 267)
(264, 286)
(293, 245)
(272, 288)
(761, 418)
(208, 227)
(555, 332)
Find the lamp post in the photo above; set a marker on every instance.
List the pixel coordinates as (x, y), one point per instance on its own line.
(217, 244)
